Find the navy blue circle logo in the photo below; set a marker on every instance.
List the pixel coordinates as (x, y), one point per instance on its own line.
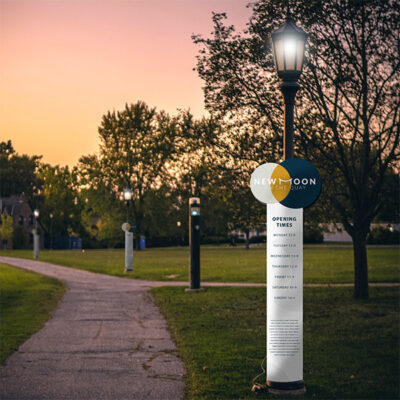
(305, 183)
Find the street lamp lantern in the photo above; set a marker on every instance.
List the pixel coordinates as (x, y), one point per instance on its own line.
(127, 194)
(36, 213)
(288, 44)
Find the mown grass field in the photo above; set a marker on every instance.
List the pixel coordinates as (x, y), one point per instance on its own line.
(322, 263)
(26, 301)
(350, 347)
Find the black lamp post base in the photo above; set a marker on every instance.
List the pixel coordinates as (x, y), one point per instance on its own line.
(295, 388)
(190, 290)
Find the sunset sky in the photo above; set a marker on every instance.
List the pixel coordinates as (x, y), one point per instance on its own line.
(64, 63)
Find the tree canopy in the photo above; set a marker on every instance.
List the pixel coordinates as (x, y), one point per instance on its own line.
(347, 118)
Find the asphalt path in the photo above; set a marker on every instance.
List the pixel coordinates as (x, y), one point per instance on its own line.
(105, 340)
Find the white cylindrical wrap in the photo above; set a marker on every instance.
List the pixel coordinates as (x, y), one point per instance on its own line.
(36, 245)
(284, 293)
(128, 251)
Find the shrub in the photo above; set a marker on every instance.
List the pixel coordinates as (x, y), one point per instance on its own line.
(258, 239)
(313, 233)
(383, 235)
(20, 238)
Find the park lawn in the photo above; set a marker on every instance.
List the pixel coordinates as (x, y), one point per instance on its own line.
(26, 301)
(322, 263)
(350, 347)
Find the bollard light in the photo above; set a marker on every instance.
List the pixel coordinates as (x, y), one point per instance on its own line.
(194, 242)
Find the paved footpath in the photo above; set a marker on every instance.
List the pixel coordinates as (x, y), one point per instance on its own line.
(105, 340)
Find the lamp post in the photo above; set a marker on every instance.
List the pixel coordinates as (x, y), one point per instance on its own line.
(285, 241)
(288, 43)
(51, 230)
(36, 235)
(127, 196)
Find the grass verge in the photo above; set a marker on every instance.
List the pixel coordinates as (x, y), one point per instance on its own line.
(350, 347)
(26, 300)
(322, 263)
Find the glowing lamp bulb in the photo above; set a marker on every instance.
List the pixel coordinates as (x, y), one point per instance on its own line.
(289, 47)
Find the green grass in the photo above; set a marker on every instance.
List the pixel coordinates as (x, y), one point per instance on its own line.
(322, 263)
(350, 347)
(26, 300)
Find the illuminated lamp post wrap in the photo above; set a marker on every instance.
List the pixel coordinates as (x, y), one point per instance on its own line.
(285, 237)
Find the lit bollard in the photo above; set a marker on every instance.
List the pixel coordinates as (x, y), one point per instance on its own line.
(194, 242)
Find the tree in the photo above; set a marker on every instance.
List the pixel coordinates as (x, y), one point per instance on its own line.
(136, 145)
(17, 172)
(58, 201)
(348, 115)
(6, 228)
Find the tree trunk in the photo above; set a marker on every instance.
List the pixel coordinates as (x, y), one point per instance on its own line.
(247, 240)
(360, 265)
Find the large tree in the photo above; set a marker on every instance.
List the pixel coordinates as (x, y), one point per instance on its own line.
(136, 145)
(58, 201)
(348, 115)
(17, 172)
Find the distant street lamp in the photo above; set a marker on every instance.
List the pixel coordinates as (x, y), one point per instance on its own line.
(128, 229)
(51, 230)
(288, 44)
(36, 214)
(36, 235)
(127, 197)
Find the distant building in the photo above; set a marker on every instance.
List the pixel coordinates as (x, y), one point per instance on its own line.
(336, 233)
(23, 221)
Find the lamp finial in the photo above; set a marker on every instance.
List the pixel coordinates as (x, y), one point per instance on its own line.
(288, 14)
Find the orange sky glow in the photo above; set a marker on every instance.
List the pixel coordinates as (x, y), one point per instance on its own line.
(65, 63)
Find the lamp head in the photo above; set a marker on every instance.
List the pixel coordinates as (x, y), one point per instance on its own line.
(288, 45)
(36, 213)
(194, 206)
(127, 194)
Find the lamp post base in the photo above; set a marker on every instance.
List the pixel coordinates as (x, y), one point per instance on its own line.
(189, 290)
(295, 388)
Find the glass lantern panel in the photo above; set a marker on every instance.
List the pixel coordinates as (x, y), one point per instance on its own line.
(289, 49)
(127, 195)
(279, 56)
(300, 54)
